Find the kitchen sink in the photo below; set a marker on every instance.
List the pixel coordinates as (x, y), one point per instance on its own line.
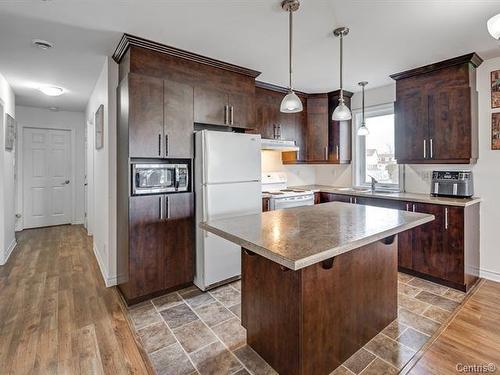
(355, 189)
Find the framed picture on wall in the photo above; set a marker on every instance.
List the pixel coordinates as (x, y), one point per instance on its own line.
(10, 133)
(99, 127)
(495, 131)
(495, 89)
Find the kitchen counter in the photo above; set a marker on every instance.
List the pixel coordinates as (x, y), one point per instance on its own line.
(302, 236)
(412, 197)
(308, 270)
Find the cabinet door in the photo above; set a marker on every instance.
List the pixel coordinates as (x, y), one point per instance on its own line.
(330, 197)
(266, 112)
(454, 245)
(145, 116)
(450, 124)
(340, 141)
(179, 239)
(147, 258)
(317, 129)
(210, 106)
(430, 256)
(411, 127)
(265, 204)
(242, 110)
(178, 120)
(406, 241)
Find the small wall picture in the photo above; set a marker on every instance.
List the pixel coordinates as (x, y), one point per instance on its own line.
(495, 89)
(495, 131)
(99, 127)
(10, 133)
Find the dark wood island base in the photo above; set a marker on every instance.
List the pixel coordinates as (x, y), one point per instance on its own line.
(311, 320)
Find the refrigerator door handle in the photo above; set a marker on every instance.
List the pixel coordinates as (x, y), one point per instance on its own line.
(205, 208)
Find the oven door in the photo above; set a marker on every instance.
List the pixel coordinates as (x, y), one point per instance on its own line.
(281, 203)
(153, 178)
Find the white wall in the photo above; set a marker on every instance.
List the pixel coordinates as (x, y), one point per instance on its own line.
(43, 118)
(101, 167)
(7, 176)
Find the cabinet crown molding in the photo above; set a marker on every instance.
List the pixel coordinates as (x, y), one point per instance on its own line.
(472, 58)
(128, 40)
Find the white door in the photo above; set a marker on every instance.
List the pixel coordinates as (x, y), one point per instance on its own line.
(46, 177)
(231, 157)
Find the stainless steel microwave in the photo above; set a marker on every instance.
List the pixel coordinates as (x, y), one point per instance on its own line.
(148, 178)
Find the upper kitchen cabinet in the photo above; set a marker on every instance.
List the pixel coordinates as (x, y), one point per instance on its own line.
(273, 124)
(160, 123)
(339, 132)
(145, 122)
(328, 141)
(436, 113)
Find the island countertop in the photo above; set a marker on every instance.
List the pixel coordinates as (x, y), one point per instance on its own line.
(299, 237)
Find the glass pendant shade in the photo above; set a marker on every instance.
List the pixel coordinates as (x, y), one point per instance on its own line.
(342, 112)
(291, 103)
(494, 26)
(363, 130)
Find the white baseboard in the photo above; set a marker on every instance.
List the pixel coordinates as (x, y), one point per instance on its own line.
(109, 280)
(8, 251)
(490, 275)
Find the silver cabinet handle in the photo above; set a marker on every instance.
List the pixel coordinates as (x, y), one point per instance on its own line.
(446, 218)
(166, 144)
(160, 198)
(167, 207)
(407, 207)
(337, 149)
(231, 111)
(159, 144)
(413, 208)
(432, 151)
(326, 153)
(226, 114)
(425, 149)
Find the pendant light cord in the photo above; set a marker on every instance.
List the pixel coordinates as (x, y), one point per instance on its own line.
(341, 66)
(290, 36)
(363, 105)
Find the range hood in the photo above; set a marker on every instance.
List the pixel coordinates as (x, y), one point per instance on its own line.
(278, 145)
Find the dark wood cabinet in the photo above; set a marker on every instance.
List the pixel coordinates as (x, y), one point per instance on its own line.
(161, 244)
(178, 120)
(317, 128)
(436, 113)
(340, 132)
(145, 121)
(217, 107)
(160, 121)
(445, 250)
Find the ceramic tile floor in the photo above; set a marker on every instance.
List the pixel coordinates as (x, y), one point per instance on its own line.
(191, 332)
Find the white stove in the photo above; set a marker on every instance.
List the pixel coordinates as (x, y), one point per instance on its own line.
(274, 184)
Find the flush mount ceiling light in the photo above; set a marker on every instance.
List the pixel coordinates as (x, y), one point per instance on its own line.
(42, 44)
(363, 130)
(51, 90)
(494, 26)
(342, 112)
(54, 109)
(291, 102)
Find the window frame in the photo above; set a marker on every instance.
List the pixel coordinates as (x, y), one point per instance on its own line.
(359, 145)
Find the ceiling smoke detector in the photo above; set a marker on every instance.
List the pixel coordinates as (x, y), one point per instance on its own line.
(42, 44)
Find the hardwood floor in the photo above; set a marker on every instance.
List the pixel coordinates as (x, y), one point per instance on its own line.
(56, 315)
(471, 338)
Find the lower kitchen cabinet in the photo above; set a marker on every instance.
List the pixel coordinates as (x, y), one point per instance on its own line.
(161, 245)
(265, 204)
(445, 250)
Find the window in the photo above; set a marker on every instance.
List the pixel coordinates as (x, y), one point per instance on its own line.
(375, 152)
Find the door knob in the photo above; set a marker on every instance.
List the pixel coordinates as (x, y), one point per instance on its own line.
(65, 182)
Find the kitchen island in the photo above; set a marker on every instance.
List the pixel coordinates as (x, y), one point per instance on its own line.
(318, 282)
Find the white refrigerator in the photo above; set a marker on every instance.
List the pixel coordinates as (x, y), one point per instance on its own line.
(227, 184)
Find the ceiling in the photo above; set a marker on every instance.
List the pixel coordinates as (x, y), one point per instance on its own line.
(387, 36)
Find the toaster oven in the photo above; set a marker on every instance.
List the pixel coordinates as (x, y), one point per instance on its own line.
(452, 184)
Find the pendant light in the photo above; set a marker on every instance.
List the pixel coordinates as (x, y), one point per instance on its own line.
(363, 130)
(342, 112)
(291, 103)
(494, 26)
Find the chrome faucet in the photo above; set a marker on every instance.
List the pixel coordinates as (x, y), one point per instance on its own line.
(374, 183)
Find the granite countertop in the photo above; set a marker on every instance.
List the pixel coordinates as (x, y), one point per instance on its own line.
(302, 236)
(412, 197)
